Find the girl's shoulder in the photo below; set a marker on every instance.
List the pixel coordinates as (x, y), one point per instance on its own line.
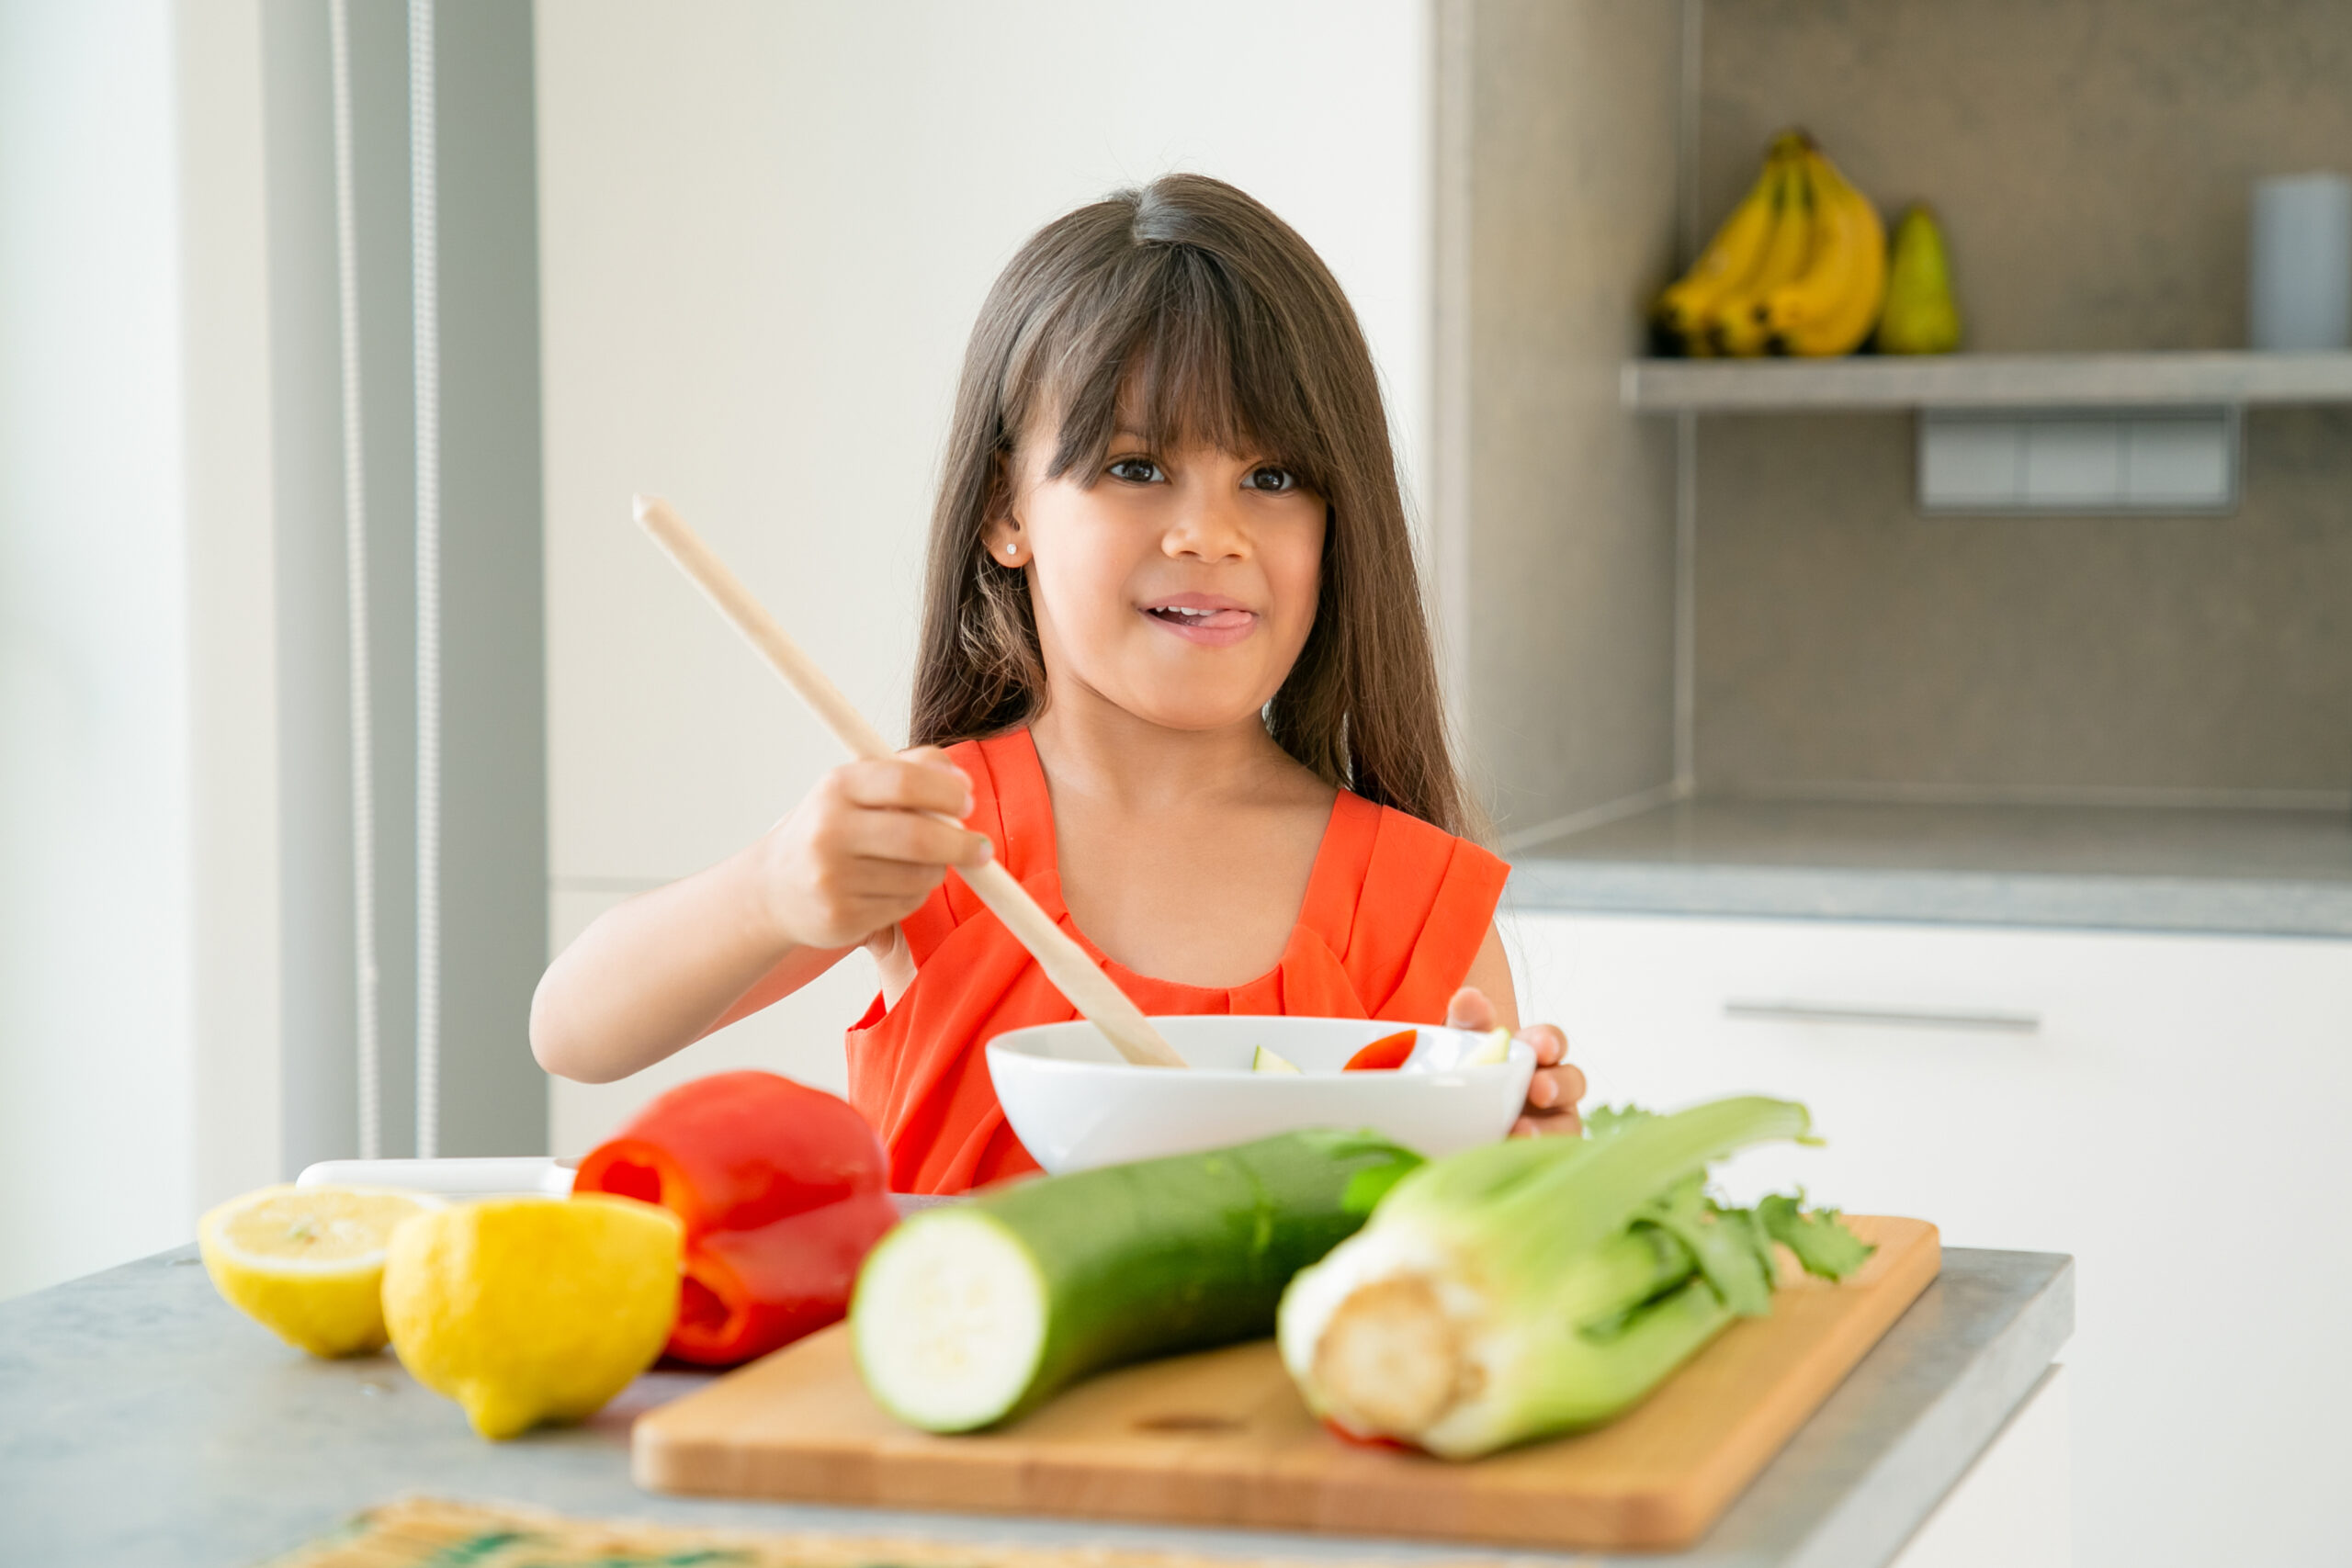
(1403, 905)
(999, 767)
(1010, 804)
(1386, 868)
(1398, 838)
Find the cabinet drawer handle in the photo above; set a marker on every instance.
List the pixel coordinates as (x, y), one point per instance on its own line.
(1893, 1018)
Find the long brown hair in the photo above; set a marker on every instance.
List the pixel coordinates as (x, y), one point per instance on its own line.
(1194, 312)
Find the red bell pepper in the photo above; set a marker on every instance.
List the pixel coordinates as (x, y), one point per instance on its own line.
(1384, 1053)
(782, 1189)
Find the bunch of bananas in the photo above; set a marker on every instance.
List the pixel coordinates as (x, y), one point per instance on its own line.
(1799, 267)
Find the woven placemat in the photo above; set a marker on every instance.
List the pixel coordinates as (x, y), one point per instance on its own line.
(428, 1533)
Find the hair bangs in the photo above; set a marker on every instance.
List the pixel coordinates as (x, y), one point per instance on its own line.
(1175, 350)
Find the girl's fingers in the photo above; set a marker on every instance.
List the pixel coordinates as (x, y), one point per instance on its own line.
(896, 881)
(1548, 1125)
(916, 839)
(1554, 1089)
(907, 784)
(1470, 1009)
(1551, 1046)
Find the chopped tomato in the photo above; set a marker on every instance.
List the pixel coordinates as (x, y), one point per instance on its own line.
(1383, 1054)
(1358, 1441)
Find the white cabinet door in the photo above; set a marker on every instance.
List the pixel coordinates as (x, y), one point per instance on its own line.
(2173, 1117)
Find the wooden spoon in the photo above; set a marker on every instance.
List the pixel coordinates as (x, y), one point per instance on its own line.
(1094, 994)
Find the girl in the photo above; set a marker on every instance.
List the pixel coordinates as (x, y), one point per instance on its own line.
(1173, 672)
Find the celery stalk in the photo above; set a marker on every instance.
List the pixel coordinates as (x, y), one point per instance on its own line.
(1541, 1285)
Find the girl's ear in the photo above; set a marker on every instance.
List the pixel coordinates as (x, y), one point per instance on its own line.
(1000, 532)
(1005, 542)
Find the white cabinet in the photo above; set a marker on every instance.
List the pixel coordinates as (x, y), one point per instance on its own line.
(2169, 1109)
(2014, 1507)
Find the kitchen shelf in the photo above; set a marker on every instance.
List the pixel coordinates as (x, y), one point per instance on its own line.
(1985, 380)
(2238, 870)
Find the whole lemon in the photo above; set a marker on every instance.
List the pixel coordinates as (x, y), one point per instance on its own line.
(308, 1262)
(526, 1310)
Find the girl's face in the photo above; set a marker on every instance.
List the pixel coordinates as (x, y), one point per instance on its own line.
(1178, 585)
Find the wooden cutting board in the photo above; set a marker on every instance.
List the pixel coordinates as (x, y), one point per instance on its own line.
(1220, 1438)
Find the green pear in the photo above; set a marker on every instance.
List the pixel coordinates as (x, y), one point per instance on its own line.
(1920, 315)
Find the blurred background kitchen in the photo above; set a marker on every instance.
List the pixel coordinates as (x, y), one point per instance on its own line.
(1961, 743)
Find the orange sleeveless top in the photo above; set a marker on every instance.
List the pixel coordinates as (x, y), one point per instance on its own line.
(1394, 911)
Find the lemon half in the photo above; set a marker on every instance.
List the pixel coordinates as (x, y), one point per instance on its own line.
(308, 1263)
(526, 1310)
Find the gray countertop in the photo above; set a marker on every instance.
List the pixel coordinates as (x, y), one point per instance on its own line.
(143, 1422)
(2122, 868)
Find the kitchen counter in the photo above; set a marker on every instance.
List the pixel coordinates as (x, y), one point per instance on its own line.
(2117, 868)
(143, 1422)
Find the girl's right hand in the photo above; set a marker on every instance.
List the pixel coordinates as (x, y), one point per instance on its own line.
(866, 846)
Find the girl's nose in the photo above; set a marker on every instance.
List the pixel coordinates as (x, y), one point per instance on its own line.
(1210, 528)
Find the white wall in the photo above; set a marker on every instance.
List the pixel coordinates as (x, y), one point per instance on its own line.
(231, 918)
(134, 663)
(94, 1031)
(764, 232)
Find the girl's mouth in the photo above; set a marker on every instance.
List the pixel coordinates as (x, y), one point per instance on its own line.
(1213, 623)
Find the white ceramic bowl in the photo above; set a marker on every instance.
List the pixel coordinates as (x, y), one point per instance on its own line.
(1076, 1104)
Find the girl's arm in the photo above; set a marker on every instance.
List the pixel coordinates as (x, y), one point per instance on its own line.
(1486, 1001)
(859, 854)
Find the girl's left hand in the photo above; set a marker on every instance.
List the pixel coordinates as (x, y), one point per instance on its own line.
(1557, 1086)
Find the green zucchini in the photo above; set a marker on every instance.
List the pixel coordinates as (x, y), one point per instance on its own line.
(971, 1313)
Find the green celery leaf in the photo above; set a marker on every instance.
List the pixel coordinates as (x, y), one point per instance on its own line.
(1743, 1223)
(1820, 1240)
(1608, 1120)
(1729, 1247)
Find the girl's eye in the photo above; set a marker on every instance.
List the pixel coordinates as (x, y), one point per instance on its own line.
(1135, 470)
(1271, 479)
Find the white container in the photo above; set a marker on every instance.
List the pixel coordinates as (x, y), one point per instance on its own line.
(2299, 277)
(1076, 1105)
(492, 1176)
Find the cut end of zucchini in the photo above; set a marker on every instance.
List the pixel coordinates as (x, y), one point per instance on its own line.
(1265, 1061)
(949, 1321)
